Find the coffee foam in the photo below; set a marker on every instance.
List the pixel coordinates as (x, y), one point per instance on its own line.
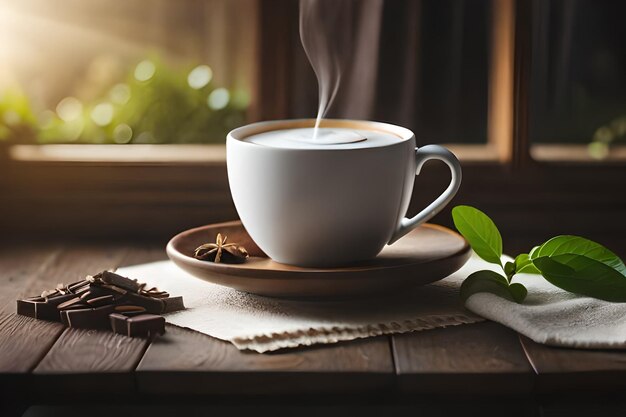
(327, 138)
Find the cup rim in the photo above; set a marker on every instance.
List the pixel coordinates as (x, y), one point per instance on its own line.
(241, 133)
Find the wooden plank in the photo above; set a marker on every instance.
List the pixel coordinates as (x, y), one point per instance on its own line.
(203, 365)
(18, 269)
(19, 266)
(67, 266)
(90, 361)
(483, 358)
(97, 360)
(25, 341)
(570, 371)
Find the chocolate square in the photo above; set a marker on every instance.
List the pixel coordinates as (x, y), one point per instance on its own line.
(87, 318)
(139, 326)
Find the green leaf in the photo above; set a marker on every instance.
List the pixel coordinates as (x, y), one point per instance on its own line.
(480, 231)
(509, 270)
(518, 292)
(491, 282)
(523, 264)
(582, 275)
(576, 245)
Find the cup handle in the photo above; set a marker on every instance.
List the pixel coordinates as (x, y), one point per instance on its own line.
(423, 154)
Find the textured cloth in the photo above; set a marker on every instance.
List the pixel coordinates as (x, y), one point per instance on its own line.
(552, 316)
(549, 315)
(265, 324)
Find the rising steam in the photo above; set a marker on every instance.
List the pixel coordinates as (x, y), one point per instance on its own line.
(326, 35)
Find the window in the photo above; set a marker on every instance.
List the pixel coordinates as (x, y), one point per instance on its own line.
(578, 79)
(125, 71)
(419, 64)
(518, 89)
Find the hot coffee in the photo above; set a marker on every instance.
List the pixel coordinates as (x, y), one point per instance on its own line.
(326, 138)
(330, 200)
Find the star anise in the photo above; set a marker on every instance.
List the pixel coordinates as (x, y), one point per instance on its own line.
(220, 251)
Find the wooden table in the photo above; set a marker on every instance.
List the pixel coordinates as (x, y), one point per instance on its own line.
(480, 365)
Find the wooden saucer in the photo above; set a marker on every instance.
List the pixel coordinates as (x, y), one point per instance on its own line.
(427, 254)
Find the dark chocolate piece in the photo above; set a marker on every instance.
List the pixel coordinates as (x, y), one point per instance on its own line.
(87, 318)
(75, 302)
(78, 286)
(42, 308)
(95, 290)
(112, 289)
(152, 305)
(101, 301)
(145, 325)
(118, 323)
(87, 304)
(173, 304)
(80, 290)
(142, 325)
(38, 309)
(119, 281)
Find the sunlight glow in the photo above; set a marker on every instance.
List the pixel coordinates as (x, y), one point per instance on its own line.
(102, 114)
(218, 99)
(145, 70)
(122, 133)
(598, 150)
(120, 94)
(199, 77)
(70, 108)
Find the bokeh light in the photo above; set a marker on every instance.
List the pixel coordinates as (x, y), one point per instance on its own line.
(120, 93)
(218, 99)
(199, 77)
(70, 108)
(598, 150)
(145, 70)
(603, 134)
(102, 114)
(122, 133)
(175, 104)
(71, 130)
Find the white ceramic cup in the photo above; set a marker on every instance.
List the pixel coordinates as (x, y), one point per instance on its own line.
(329, 207)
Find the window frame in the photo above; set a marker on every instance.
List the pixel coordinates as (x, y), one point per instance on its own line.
(508, 140)
(156, 190)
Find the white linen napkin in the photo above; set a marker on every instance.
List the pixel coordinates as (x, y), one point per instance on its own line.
(266, 324)
(552, 316)
(549, 315)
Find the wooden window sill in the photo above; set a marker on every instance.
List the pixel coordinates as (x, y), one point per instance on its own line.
(575, 153)
(216, 154)
(120, 154)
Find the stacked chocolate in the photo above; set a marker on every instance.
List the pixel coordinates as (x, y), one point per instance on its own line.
(105, 300)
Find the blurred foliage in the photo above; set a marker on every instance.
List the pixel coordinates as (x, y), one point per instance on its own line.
(153, 104)
(17, 119)
(606, 135)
